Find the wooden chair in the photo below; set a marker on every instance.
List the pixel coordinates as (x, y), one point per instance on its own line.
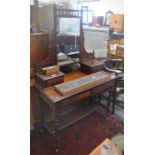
(109, 67)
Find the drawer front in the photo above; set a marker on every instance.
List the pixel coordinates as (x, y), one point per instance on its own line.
(97, 69)
(103, 87)
(76, 98)
(54, 81)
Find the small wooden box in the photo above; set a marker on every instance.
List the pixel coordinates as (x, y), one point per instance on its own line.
(91, 66)
(49, 80)
(50, 70)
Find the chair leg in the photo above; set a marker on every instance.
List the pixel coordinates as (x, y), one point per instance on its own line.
(109, 101)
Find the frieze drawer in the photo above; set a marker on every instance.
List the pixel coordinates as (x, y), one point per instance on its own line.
(76, 98)
(102, 87)
(55, 81)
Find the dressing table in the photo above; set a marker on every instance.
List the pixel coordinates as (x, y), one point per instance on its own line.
(57, 101)
(73, 52)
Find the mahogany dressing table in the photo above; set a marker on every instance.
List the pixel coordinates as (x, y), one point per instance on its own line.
(56, 101)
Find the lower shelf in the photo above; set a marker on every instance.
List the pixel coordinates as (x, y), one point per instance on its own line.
(73, 116)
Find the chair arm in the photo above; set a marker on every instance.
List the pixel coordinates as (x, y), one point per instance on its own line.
(116, 60)
(112, 70)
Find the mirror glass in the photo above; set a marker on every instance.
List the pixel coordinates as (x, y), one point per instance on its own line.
(68, 38)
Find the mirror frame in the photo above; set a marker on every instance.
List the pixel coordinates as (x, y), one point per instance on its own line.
(66, 13)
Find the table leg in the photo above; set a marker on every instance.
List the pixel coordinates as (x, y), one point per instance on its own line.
(57, 135)
(109, 101)
(114, 98)
(41, 113)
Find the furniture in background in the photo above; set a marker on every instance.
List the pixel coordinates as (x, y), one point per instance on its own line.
(111, 66)
(116, 50)
(96, 38)
(117, 22)
(108, 15)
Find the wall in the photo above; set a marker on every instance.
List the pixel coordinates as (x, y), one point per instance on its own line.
(117, 6)
(102, 6)
(46, 12)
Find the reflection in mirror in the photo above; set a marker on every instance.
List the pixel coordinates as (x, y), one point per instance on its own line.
(108, 17)
(68, 39)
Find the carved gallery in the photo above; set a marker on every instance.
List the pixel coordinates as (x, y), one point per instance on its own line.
(77, 77)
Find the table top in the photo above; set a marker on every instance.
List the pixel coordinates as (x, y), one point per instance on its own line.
(54, 96)
(48, 77)
(93, 63)
(81, 83)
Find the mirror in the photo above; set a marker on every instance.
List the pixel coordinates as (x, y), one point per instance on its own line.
(68, 38)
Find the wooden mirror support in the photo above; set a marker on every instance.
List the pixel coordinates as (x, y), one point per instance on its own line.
(51, 59)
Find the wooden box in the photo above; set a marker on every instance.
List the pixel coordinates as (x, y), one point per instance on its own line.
(49, 80)
(50, 70)
(91, 66)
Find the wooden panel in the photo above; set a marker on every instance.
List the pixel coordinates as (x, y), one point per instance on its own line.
(49, 80)
(103, 87)
(55, 81)
(73, 76)
(91, 66)
(38, 48)
(113, 41)
(120, 51)
(75, 115)
(76, 98)
(35, 107)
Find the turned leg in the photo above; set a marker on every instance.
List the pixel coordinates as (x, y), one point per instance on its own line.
(114, 99)
(41, 114)
(109, 101)
(57, 135)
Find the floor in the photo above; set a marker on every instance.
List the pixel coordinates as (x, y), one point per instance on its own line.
(119, 111)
